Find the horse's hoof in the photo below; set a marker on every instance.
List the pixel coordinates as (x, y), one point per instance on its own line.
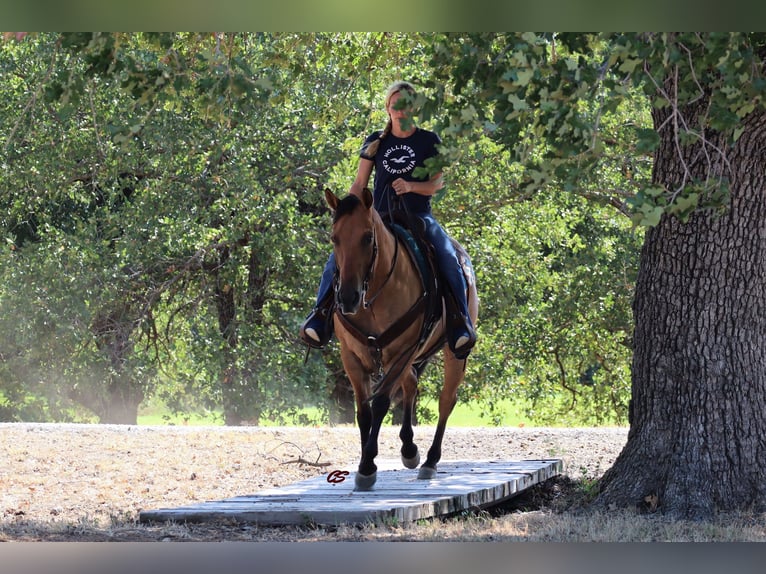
(412, 462)
(426, 473)
(365, 482)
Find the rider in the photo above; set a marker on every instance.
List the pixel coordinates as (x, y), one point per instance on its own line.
(395, 152)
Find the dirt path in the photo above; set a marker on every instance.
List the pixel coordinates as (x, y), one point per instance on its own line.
(89, 482)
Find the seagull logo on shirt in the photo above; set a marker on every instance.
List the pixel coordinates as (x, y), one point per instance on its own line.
(399, 159)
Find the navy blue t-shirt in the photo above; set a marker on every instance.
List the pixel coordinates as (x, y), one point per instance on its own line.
(398, 157)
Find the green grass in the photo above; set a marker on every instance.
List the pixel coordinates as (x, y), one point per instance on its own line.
(155, 414)
(158, 418)
(470, 416)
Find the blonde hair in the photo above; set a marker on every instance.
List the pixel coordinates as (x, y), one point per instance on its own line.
(372, 148)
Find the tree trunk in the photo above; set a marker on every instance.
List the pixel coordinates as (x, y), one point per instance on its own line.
(342, 405)
(113, 327)
(230, 390)
(697, 438)
(230, 377)
(123, 402)
(118, 404)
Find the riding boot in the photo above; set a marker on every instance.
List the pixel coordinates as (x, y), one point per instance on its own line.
(461, 336)
(317, 328)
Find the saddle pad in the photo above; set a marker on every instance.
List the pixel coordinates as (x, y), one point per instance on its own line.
(415, 251)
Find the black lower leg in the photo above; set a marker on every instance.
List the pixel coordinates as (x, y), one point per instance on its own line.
(364, 420)
(379, 408)
(409, 448)
(435, 452)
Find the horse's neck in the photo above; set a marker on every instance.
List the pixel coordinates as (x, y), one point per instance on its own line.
(393, 268)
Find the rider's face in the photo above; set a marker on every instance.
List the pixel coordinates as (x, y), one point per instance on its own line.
(395, 114)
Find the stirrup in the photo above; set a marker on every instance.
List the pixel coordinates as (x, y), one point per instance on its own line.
(462, 347)
(458, 323)
(312, 334)
(461, 335)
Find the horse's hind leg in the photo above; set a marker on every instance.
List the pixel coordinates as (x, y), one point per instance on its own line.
(453, 377)
(410, 454)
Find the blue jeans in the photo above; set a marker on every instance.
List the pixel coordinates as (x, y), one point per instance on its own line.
(325, 284)
(447, 261)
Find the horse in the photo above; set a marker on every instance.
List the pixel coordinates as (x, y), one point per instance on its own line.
(382, 328)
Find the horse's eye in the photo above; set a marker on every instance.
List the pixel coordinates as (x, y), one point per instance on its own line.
(334, 239)
(367, 239)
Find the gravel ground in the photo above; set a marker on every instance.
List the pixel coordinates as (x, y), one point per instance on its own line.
(90, 482)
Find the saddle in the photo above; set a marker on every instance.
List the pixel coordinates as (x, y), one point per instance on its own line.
(410, 230)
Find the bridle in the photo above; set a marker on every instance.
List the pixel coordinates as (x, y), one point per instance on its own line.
(367, 303)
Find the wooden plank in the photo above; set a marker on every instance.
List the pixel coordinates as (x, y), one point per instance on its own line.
(398, 496)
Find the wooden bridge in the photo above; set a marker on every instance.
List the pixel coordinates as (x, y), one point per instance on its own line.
(398, 495)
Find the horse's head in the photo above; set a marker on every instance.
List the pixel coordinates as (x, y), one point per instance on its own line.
(353, 239)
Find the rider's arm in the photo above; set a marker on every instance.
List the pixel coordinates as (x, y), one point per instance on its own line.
(429, 187)
(362, 179)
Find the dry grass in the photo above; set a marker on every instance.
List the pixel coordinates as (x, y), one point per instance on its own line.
(90, 482)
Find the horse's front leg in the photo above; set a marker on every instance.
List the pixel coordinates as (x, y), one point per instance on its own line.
(367, 474)
(360, 382)
(410, 454)
(363, 419)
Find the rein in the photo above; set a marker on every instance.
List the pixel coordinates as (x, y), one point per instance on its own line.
(368, 302)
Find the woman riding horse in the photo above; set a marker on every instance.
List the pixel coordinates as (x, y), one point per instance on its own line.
(395, 152)
(385, 331)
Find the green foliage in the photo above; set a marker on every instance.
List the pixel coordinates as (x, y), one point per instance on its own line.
(552, 100)
(183, 174)
(164, 227)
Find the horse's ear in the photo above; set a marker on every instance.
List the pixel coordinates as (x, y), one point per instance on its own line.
(331, 199)
(367, 197)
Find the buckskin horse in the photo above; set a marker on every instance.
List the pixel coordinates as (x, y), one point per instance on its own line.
(386, 338)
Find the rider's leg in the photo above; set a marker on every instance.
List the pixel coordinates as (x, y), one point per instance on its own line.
(317, 328)
(461, 336)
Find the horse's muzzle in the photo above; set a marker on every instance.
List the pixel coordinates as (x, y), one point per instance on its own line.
(349, 299)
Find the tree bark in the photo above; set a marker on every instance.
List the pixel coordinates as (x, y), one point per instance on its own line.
(342, 406)
(697, 437)
(342, 409)
(113, 328)
(230, 376)
(123, 402)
